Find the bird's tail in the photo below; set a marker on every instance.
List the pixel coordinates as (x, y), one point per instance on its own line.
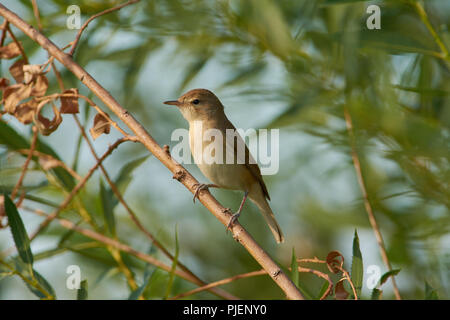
(268, 215)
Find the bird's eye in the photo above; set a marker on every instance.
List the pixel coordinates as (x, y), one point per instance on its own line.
(196, 101)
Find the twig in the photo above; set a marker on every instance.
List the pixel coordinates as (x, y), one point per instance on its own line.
(4, 27)
(423, 15)
(26, 164)
(80, 185)
(180, 173)
(58, 163)
(321, 275)
(219, 283)
(24, 55)
(84, 26)
(89, 101)
(36, 14)
(367, 205)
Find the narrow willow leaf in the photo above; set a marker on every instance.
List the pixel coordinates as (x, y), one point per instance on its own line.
(19, 233)
(44, 284)
(174, 265)
(322, 290)
(82, 293)
(294, 268)
(148, 276)
(108, 205)
(357, 266)
(125, 175)
(388, 274)
(376, 294)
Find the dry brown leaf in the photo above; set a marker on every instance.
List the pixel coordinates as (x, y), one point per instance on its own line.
(4, 83)
(69, 104)
(101, 125)
(25, 111)
(11, 50)
(31, 71)
(339, 290)
(44, 125)
(14, 94)
(40, 86)
(16, 70)
(335, 261)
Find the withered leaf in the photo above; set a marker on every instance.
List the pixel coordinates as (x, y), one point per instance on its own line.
(4, 83)
(16, 70)
(31, 71)
(69, 104)
(101, 125)
(13, 95)
(11, 50)
(44, 125)
(25, 111)
(335, 261)
(40, 86)
(339, 290)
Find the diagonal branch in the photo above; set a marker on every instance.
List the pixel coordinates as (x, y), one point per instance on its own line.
(180, 173)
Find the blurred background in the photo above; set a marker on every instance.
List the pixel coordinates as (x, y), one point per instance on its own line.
(287, 65)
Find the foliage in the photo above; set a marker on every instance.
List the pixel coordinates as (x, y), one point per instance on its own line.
(297, 66)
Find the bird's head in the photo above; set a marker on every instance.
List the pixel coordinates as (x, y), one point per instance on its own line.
(198, 104)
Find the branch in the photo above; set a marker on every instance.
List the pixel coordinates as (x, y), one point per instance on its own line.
(180, 173)
(84, 26)
(26, 164)
(368, 206)
(219, 283)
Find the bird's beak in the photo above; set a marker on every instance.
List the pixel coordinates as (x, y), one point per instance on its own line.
(173, 103)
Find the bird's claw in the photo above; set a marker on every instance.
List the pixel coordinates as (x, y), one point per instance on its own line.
(199, 187)
(232, 221)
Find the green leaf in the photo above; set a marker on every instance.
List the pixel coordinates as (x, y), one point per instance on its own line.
(357, 272)
(174, 265)
(376, 294)
(148, 276)
(19, 233)
(430, 292)
(44, 284)
(82, 293)
(294, 268)
(388, 274)
(14, 141)
(322, 290)
(125, 175)
(108, 205)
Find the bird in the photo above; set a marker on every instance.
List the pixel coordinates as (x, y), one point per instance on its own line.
(204, 111)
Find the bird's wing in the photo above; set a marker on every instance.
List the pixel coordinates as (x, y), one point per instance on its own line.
(249, 161)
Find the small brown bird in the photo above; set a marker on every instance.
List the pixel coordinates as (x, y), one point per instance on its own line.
(204, 111)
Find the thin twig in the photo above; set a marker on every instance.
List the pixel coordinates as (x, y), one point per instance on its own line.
(22, 52)
(367, 205)
(321, 275)
(57, 162)
(84, 26)
(180, 173)
(26, 164)
(89, 101)
(219, 283)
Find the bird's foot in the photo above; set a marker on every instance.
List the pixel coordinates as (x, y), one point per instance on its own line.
(232, 221)
(201, 186)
